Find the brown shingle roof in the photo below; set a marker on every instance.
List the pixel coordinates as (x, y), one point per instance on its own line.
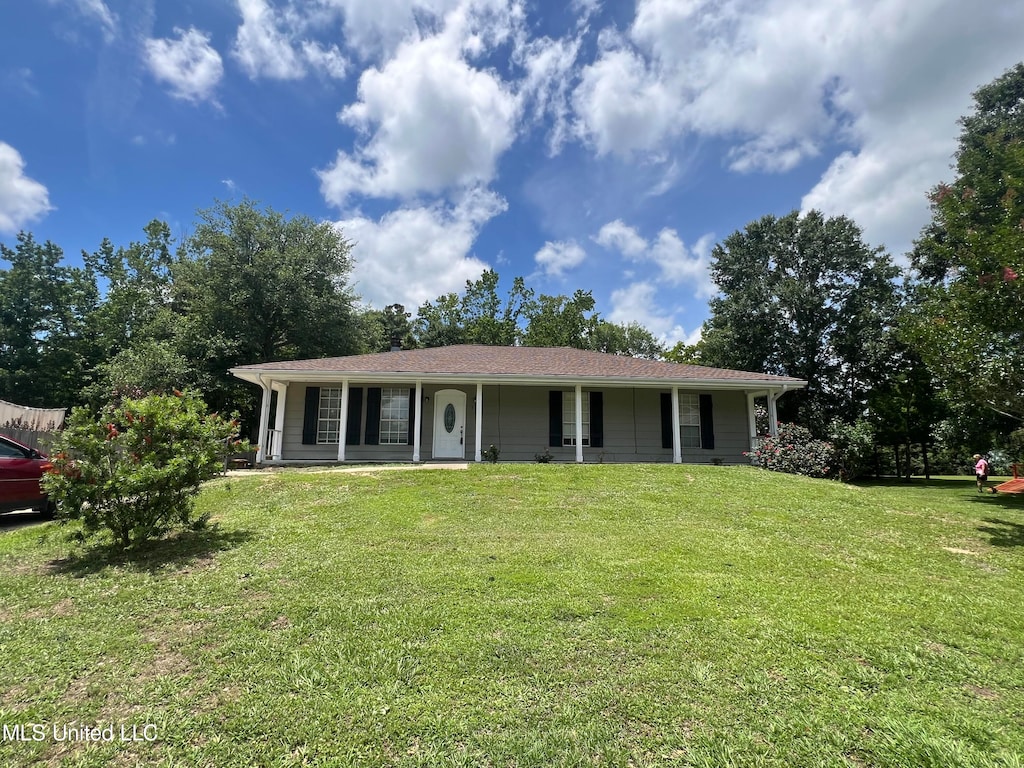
(527, 362)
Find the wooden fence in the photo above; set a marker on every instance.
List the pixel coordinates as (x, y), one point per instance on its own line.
(33, 438)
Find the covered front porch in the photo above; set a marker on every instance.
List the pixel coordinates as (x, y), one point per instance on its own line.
(398, 419)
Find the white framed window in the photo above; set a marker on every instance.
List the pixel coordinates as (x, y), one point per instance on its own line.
(394, 416)
(689, 420)
(569, 418)
(328, 421)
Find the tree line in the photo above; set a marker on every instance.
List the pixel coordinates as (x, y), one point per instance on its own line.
(929, 364)
(248, 285)
(928, 361)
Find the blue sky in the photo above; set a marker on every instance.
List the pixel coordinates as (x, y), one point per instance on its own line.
(584, 144)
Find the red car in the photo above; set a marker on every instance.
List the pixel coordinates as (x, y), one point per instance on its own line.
(21, 468)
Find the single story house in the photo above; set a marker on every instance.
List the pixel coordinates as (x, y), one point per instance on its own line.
(452, 403)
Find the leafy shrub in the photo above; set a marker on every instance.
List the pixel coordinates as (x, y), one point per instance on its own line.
(543, 458)
(795, 451)
(491, 454)
(135, 470)
(854, 448)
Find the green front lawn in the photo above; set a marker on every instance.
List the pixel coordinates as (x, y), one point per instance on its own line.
(532, 615)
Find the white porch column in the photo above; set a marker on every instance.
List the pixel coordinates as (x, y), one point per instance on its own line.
(478, 456)
(261, 436)
(752, 419)
(579, 423)
(773, 414)
(417, 421)
(343, 424)
(677, 447)
(282, 399)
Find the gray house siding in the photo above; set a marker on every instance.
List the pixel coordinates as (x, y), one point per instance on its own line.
(516, 421)
(293, 448)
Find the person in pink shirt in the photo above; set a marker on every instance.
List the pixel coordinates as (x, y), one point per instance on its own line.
(981, 469)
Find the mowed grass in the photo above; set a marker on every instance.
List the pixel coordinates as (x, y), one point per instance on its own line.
(532, 615)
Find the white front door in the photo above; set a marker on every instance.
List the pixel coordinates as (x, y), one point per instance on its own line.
(450, 424)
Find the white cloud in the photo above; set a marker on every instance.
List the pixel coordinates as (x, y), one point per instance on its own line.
(274, 44)
(412, 255)
(188, 64)
(22, 200)
(637, 303)
(550, 69)
(261, 47)
(622, 107)
(584, 9)
(433, 123)
(783, 81)
(882, 188)
(378, 27)
(680, 264)
(328, 60)
(765, 153)
(96, 11)
(554, 258)
(20, 80)
(619, 236)
(676, 263)
(100, 12)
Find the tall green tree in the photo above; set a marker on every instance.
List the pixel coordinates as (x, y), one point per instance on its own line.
(251, 285)
(905, 405)
(138, 289)
(46, 349)
(440, 323)
(687, 354)
(477, 316)
(804, 296)
(630, 339)
(561, 321)
(968, 321)
(381, 327)
(144, 345)
(487, 319)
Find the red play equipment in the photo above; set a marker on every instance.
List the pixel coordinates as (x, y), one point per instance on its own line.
(1012, 486)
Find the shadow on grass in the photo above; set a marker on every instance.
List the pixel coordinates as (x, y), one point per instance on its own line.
(10, 521)
(1004, 500)
(1003, 533)
(177, 551)
(951, 483)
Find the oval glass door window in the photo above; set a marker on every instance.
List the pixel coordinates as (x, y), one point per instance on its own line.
(449, 417)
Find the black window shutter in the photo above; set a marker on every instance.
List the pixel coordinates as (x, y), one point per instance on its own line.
(353, 424)
(373, 416)
(412, 415)
(666, 420)
(555, 418)
(310, 414)
(707, 423)
(597, 419)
